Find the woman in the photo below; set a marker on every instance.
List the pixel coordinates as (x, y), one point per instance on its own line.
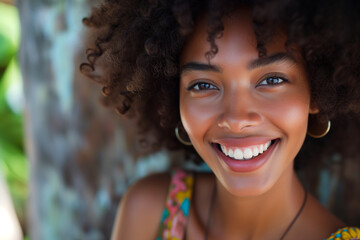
(243, 80)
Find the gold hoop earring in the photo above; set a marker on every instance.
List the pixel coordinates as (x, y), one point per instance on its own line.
(318, 129)
(187, 143)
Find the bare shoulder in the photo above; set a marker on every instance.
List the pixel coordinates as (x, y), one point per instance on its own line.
(319, 221)
(140, 210)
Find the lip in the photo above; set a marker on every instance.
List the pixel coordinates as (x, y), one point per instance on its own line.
(243, 166)
(243, 142)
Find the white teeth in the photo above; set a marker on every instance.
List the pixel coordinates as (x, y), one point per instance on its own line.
(247, 153)
(238, 154)
(255, 151)
(224, 149)
(265, 146)
(261, 149)
(231, 153)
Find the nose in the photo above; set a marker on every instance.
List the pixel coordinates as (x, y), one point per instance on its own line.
(240, 112)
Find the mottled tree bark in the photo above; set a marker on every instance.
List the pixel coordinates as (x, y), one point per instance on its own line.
(80, 161)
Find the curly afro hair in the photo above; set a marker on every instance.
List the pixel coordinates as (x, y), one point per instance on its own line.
(139, 43)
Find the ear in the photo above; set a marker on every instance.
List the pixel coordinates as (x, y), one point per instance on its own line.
(313, 108)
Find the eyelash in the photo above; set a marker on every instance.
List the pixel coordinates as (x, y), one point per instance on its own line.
(272, 78)
(204, 86)
(197, 85)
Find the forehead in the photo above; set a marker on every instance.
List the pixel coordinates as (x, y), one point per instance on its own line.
(238, 39)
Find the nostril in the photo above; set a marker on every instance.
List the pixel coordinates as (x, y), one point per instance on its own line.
(237, 123)
(224, 124)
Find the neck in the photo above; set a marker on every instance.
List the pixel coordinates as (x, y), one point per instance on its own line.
(265, 216)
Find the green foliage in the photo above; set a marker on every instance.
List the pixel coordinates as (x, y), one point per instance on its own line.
(13, 162)
(7, 50)
(9, 33)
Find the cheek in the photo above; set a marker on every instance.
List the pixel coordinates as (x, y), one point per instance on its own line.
(290, 114)
(197, 115)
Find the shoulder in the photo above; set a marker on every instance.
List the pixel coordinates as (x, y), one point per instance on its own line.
(318, 221)
(140, 210)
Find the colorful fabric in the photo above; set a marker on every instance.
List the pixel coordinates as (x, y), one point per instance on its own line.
(175, 215)
(347, 233)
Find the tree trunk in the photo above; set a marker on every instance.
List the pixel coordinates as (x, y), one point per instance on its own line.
(80, 161)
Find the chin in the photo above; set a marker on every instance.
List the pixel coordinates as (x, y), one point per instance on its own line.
(275, 170)
(246, 186)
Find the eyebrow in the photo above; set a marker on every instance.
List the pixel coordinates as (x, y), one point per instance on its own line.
(260, 62)
(277, 57)
(197, 66)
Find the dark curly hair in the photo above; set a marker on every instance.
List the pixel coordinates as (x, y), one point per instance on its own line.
(139, 43)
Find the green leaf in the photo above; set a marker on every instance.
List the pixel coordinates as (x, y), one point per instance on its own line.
(10, 23)
(13, 162)
(11, 130)
(9, 33)
(7, 50)
(12, 81)
(11, 93)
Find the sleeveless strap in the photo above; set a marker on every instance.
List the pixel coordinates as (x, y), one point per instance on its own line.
(176, 212)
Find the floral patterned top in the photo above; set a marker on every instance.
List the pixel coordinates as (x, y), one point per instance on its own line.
(347, 233)
(177, 206)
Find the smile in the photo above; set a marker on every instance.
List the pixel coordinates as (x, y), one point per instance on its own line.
(245, 153)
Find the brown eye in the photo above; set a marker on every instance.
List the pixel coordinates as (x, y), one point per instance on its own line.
(201, 86)
(272, 81)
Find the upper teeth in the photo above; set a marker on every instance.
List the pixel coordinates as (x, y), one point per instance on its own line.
(245, 153)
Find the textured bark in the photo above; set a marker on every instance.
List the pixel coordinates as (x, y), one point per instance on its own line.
(80, 161)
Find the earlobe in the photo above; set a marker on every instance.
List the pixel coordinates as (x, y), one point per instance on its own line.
(313, 109)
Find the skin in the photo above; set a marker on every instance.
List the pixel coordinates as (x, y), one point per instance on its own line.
(220, 103)
(238, 107)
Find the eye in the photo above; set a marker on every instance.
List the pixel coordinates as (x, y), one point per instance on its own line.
(202, 86)
(272, 81)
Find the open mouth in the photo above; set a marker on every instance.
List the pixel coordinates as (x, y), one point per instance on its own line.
(245, 153)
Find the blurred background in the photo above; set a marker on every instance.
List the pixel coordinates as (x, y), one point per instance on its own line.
(14, 169)
(81, 157)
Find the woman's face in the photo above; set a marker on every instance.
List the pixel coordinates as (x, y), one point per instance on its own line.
(236, 107)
